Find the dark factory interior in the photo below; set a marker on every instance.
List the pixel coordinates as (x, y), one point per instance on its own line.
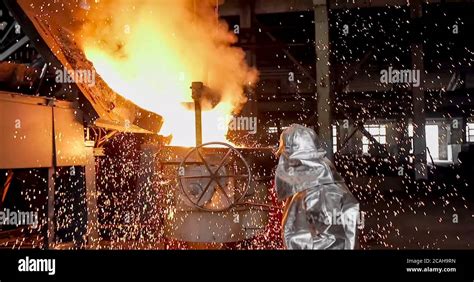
(155, 126)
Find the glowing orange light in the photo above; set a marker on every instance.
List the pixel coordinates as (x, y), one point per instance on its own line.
(152, 50)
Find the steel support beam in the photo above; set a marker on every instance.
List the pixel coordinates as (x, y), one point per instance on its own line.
(403, 139)
(247, 21)
(323, 84)
(12, 49)
(419, 115)
(91, 196)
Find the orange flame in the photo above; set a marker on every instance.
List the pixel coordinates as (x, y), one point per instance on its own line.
(150, 51)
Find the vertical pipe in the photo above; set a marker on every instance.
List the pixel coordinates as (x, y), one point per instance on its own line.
(197, 113)
(197, 88)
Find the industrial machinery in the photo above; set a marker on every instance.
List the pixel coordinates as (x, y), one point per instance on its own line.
(212, 193)
(51, 136)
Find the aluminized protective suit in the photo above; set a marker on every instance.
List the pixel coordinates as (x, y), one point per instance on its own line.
(320, 213)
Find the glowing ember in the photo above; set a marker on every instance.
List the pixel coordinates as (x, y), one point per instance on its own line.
(152, 50)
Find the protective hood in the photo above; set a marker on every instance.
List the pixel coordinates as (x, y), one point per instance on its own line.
(302, 165)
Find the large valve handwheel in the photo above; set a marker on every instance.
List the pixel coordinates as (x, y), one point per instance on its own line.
(229, 177)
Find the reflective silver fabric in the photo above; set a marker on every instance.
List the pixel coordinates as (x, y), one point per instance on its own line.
(320, 213)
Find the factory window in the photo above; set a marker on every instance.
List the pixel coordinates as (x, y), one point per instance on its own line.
(272, 129)
(432, 133)
(334, 139)
(432, 141)
(470, 132)
(378, 131)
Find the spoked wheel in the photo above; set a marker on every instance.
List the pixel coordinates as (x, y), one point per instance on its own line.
(214, 182)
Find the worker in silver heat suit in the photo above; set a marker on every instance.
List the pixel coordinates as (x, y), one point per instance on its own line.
(320, 212)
